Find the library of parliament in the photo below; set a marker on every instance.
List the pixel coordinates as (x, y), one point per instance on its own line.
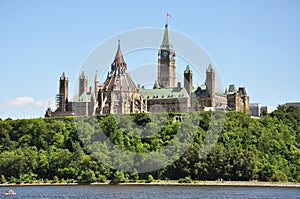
(118, 94)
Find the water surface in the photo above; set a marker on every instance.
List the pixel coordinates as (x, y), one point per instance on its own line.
(155, 192)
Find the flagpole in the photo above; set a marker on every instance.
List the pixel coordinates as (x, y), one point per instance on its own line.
(167, 16)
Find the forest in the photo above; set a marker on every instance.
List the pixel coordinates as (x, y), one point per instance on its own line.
(68, 149)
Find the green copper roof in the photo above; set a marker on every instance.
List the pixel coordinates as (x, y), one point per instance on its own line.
(210, 68)
(63, 76)
(187, 69)
(82, 76)
(164, 93)
(166, 44)
(231, 89)
(201, 90)
(84, 97)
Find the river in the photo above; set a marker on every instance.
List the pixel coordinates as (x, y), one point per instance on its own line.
(143, 192)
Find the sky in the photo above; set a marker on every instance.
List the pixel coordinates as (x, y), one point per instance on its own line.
(254, 44)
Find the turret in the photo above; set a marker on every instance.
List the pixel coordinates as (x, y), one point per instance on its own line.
(188, 80)
(211, 84)
(96, 82)
(83, 83)
(62, 97)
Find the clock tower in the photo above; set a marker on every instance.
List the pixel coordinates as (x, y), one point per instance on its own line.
(166, 62)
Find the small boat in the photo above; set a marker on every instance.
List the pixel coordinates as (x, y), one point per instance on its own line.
(10, 192)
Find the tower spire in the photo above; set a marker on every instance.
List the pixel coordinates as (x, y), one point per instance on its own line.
(119, 56)
(97, 76)
(166, 62)
(166, 44)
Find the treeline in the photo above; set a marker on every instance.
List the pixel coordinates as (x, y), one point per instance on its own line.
(68, 150)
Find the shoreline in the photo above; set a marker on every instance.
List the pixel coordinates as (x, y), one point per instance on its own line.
(170, 183)
(224, 183)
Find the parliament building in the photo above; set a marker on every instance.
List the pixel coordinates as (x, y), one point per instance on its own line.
(118, 94)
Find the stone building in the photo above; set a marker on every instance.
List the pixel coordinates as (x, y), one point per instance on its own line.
(166, 99)
(119, 94)
(207, 95)
(64, 107)
(238, 100)
(83, 103)
(166, 96)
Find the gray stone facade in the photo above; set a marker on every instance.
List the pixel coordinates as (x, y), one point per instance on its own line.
(119, 94)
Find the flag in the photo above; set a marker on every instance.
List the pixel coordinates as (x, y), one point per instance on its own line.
(168, 15)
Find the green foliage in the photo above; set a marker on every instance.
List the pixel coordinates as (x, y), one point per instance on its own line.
(55, 179)
(88, 176)
(12, 180)
(187, 179)
(28, 177)
(150, 178)
(266, 149)
(101, 178)
(134, 176)
(118, 177)
(2, 179)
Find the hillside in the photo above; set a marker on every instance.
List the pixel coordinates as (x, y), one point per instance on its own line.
(266, 149)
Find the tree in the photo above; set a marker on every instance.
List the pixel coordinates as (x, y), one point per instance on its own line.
(88, 176)
(150, 178)
(118, 177)
(266, 149)
(2, 179)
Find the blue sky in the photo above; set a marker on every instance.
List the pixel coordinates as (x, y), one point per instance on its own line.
(255, 44)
